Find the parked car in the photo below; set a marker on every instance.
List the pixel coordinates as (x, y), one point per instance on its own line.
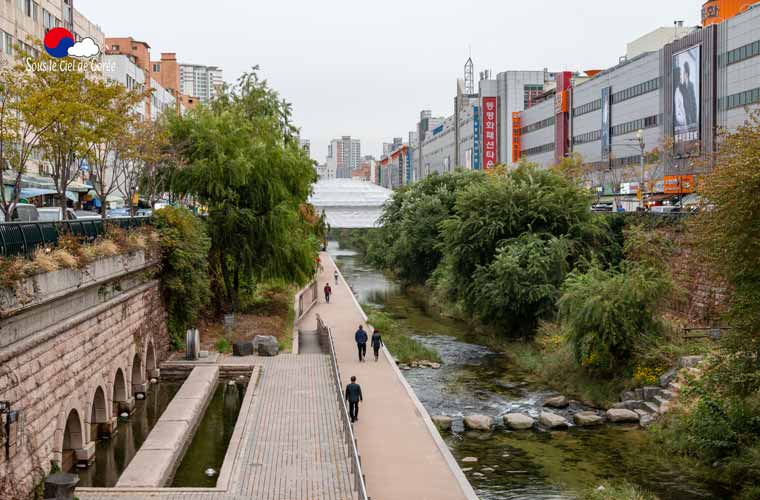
(49, 214)
(22, 212)
(665, 209)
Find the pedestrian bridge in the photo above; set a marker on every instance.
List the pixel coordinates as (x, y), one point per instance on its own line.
(349, 203)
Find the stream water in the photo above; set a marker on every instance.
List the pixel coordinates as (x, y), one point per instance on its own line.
(476, 380)
(113, 455)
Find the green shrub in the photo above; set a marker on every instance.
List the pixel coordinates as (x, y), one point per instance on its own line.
(521, 284)
(610, 314)
(184, 268)
(223, 346)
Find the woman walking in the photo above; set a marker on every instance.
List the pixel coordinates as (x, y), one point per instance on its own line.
(377, 341)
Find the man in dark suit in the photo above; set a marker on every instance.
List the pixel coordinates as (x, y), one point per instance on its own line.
(353, 396)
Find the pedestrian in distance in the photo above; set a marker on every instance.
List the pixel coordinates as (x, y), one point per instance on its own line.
(376, 341)
(336, 276)
(361, 342)
(328, 292)
(353, 396)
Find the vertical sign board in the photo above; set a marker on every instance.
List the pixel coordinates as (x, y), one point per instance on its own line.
(516, 137)
(408, 167)
(606, 108)
(686, 67)
(490, 129)
(401, 169)
(476, 138)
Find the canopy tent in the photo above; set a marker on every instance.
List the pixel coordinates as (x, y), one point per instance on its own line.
(34, 192)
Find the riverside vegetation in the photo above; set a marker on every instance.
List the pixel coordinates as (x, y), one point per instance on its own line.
(580, 300)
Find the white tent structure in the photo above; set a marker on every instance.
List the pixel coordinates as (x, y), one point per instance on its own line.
(349, 203)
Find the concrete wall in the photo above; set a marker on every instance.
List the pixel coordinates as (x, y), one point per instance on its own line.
(69, 376)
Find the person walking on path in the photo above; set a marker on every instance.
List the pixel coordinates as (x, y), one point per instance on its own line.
(361, 342)
(336, 276)
(328, 292)
(377, 341)
(353, 396)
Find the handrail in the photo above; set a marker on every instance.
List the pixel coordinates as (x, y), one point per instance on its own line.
(328, 343)
(23, 238)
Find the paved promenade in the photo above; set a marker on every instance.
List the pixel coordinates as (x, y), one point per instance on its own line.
(402, 456)
(291, 447)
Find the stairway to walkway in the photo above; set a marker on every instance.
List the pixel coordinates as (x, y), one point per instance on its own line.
(292, 447)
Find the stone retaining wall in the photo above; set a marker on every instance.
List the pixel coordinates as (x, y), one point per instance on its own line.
(72, 356)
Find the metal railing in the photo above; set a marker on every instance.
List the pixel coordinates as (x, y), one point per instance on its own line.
(306, 299)
(23, 238)
(326, 340)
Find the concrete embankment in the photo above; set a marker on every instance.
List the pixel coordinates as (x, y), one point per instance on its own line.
(162, 451)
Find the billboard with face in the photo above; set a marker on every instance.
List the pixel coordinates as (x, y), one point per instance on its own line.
(686, 92)
(606, 123)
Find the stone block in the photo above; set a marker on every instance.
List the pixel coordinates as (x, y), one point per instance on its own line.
(622, 416)
(127, 406)
(442, 422)
(587, 419)
(147, 469)
(668, 377)
(166, 436)
(61, 486)
(518, 421)
(650, 393)
(86, 454)
(266, 345)
(556, 402)
(242, 349)
(552, 420)
(690, 361)
(478, 422)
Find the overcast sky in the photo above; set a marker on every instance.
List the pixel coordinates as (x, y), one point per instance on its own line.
(366, 68)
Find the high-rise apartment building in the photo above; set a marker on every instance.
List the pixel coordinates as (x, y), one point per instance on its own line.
(345, 155)
(200, 81)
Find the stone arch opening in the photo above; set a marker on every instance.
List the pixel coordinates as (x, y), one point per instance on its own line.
(138, 377)
(98, 414)
(119, 387)
(73, 440)
(150, 361)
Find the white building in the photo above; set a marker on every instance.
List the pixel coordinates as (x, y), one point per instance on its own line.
(657, 39)
(200, 81)
(121, 69)
(161, 100)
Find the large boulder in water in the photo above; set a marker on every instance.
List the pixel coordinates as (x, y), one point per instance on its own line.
(478, 422)
(621, 416)
(587, 419)
(552, 420)
(518, 421)
(266, 345)
(556, 402)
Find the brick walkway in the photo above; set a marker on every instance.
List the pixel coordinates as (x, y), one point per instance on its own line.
(403, 457)
(292, 444)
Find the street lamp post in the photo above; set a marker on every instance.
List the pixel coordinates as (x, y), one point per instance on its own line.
(642, 146)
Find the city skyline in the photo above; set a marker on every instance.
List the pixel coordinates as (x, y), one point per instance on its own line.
(333, 77)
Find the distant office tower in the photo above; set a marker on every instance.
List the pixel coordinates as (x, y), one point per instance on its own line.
(200, 81)
(345, 154)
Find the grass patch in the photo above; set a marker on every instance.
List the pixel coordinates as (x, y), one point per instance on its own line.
(402, 346)
(616, 491)
(223, 346)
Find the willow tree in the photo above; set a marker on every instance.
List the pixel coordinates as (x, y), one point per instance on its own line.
(240, 157)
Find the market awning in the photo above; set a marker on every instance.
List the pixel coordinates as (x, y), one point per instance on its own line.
(34, 192)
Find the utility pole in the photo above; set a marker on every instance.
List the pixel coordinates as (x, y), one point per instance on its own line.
(642, 146)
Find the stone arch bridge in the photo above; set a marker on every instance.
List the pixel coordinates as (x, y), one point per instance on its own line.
(76, 348)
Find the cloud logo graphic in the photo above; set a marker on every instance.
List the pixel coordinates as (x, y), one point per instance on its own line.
(84, 48)
(58, 41)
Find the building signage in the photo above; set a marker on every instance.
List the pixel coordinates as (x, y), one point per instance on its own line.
(629, 188)
(516, 136)
(686, 69)
(476, 138)
(490, 130)
(679, 184)
(408, 167)
(606, 108)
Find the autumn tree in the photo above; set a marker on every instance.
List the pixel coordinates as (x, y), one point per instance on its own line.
(24, 118)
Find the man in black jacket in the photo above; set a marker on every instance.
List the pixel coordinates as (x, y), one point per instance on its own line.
(361, 342)
(353, 396)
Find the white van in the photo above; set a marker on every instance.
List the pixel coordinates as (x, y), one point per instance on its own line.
(22, 212)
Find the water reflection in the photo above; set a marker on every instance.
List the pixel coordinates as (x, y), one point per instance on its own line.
(113, 455)
(513, 465)
(209, 445)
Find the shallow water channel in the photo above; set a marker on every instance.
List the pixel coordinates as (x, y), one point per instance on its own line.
(526, 465)
(113, 455)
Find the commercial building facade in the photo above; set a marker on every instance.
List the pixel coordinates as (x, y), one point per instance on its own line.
(672, 101)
